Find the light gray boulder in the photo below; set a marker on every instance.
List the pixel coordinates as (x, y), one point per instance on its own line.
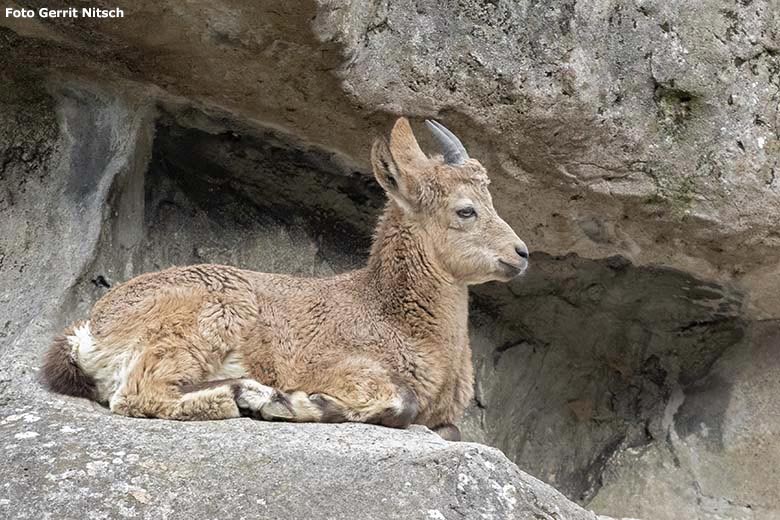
(71, 460)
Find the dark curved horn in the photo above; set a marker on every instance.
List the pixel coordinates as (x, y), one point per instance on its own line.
(452, 149)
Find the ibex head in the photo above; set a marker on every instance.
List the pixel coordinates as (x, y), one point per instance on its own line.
(447, 197)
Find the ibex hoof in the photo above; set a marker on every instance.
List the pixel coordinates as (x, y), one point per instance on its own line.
(448, 432)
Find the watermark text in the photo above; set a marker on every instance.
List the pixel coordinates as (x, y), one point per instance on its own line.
(71, 12)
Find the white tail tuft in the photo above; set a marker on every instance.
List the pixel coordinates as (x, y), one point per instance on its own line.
(81, 341)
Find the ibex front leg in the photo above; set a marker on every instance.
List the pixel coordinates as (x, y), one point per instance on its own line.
(355, 391)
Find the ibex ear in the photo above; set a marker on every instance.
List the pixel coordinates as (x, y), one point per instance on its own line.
(404, 147)
(395, 182)
(397, 165)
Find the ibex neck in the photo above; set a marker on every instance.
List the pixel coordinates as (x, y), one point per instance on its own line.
(408, 279)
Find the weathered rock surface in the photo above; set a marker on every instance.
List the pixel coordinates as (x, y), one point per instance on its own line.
(632, 144)
(720, 457)
(74, 461)
(601, 116)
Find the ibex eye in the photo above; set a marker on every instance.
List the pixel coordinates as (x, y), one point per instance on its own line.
(466, 212)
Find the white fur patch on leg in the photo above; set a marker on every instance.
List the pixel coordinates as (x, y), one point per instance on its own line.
(399, 406)
(116, 401)
(81, 341)
(253, 395)
(232, 368)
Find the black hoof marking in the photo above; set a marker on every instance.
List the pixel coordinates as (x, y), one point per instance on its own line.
(279, 408)
(331, 411)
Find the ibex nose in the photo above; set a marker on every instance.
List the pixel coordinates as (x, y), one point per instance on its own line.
(522, 251)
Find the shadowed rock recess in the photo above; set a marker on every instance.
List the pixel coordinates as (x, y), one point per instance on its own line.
(633, 145)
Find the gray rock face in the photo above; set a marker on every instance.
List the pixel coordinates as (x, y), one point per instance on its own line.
(71, 461)
(632, 145)
(580, 358)
(620, 112)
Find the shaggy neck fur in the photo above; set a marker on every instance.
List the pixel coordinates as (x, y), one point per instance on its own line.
(408, 279)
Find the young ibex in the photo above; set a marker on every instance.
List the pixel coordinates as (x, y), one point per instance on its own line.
(386, 344)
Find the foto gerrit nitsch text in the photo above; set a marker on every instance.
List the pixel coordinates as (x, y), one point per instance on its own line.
(70, 12)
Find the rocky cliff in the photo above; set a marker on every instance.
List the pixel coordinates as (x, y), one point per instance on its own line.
(632, 144)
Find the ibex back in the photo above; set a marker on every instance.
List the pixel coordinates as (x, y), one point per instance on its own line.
(385, 344)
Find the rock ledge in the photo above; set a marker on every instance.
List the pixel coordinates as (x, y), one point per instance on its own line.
(72, 459)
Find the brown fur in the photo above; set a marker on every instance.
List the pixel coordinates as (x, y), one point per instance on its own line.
(207, 385)
(385, 344)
